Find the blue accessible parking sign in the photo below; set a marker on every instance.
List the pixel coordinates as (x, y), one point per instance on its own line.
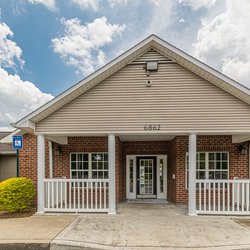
(17, 142)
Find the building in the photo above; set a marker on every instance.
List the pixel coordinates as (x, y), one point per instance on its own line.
(8, 164)
(133, 129)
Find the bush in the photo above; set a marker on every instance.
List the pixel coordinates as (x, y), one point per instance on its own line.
(16, 194)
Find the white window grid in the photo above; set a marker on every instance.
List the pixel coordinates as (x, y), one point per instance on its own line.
(210, 165)
(89, 165)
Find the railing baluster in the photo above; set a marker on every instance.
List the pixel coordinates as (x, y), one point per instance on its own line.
(87, 193)
(57, 195)
(70, 201)
(60, 194)
(78, 195)
(48, 194)
(238, 196)
(233, 196)
(95, 194)
(247, 197)
(223, 196)
(52, 195)
(104, 193)
(228, 196)
(74, 194)
(214, 196)
(218, 191)
(209, 196)
(200, 195)
(83, 190)
(204, 196)
(242, 196)
(100, 197)
(66, 194)
(91, 194)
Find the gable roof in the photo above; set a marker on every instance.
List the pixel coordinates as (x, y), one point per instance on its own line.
(4, 147)
(229, 85)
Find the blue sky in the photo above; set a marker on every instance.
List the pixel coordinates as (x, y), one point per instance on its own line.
(47, 46)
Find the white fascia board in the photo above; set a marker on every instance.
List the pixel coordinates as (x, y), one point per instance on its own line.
(240, 138)
(86, 80)
(27, 124)
(8, 152)
(202, 65)
(8, 138)
(62, 140)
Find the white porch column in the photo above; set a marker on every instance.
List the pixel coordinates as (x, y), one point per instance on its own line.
(192, 175)
(40, 173)
(111, 154)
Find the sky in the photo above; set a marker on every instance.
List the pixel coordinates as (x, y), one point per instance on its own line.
(46, 46)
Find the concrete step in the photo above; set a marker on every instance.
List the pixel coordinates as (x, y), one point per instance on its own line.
(145, 201)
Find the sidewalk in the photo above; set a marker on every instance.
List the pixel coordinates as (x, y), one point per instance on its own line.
(38, 231)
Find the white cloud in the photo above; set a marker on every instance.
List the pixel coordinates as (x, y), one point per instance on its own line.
(87, 4)
(162, 17)
(114, 3)
(81, 44)
(50, 4)
(10, 53)
(224, 42)
(17, 98)
(197, 4)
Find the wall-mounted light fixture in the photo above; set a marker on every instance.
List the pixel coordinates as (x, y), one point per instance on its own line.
(58, 150)
(151, 66)
(243, 149)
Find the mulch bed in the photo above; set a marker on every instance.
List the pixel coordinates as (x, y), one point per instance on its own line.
(26, 213)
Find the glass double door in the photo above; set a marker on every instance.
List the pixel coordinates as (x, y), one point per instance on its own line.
(146, 177)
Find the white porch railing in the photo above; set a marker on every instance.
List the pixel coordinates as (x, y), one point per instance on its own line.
(76, 195)
(227, 197)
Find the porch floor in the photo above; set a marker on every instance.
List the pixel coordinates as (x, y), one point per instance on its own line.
(155, 226)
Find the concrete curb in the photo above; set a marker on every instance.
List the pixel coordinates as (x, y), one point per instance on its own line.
(25, 246)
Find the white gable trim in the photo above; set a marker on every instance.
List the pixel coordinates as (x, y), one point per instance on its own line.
(182, 58)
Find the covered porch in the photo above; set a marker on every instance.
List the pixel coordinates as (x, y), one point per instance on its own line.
(205, 196)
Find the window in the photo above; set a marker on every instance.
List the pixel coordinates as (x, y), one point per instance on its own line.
(89, 165)
(210, 165)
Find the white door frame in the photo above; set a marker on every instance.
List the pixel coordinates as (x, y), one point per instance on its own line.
(131, 165)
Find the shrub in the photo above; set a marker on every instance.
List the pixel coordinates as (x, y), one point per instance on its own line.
(16, 194)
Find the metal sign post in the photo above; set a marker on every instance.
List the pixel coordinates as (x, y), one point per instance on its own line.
(17, 143)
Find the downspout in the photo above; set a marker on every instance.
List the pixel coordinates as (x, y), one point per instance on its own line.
(50, 159)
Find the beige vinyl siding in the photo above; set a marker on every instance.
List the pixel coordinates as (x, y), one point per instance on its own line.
(151, 55)
(7, 167)
(178, 100)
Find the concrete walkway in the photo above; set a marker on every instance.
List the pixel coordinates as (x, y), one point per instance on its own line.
(136, 226)
(154, 226)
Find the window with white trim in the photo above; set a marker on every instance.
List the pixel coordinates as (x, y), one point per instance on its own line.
(210, 165)
(89, 165)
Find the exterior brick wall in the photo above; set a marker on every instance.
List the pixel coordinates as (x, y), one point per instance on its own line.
(238, 164)
(175, 150)
(171, 171)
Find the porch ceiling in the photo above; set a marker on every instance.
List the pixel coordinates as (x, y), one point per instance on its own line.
(146, 137)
